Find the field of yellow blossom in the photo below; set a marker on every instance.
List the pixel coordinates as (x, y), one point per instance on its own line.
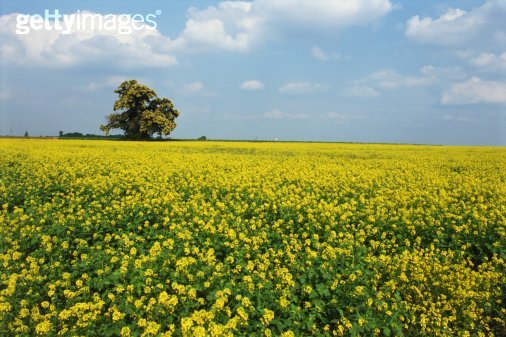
(116, 238)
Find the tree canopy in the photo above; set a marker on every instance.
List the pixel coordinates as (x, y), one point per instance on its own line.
(140, 113)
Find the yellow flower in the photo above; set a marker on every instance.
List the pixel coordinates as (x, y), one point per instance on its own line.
(125, 331)
(151, 329)
(359, 290)
(117, 315)
(267, 316)
(199, 331)
(43, 328)
(283, 302)
(242, 313)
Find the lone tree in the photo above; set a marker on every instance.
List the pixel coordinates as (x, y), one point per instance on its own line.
(140, 113)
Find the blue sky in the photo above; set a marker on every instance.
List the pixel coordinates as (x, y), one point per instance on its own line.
(350, 70)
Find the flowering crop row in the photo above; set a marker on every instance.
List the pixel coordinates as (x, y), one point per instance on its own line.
(103, 238)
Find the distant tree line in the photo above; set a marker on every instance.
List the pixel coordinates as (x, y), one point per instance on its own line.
(94, 136)
(87, 135)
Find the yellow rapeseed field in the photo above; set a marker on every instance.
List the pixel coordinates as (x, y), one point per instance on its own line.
(114, 238)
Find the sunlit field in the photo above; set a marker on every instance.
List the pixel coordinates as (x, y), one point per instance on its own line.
(114, 238)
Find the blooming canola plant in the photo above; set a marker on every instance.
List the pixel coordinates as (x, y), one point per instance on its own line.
(107, 238)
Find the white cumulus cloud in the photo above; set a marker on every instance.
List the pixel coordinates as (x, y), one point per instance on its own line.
(388, 79)
(475, 90)
(252, 85)
(323, 13)
(322, 55)
(297, 88)
(240, 25)
(61, 48)
(490, 61)
(230, 25)
(483, 24)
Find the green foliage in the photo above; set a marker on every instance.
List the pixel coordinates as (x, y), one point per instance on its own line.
(140, 113)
